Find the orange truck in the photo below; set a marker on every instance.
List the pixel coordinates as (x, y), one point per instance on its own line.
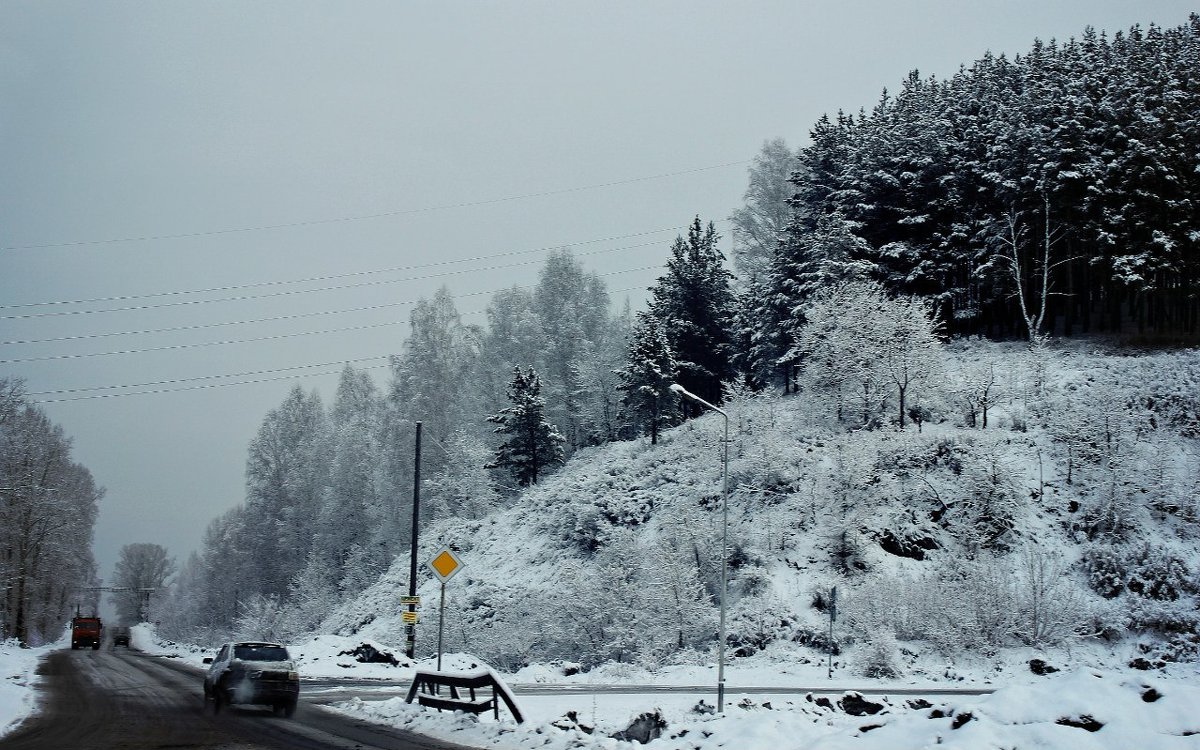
(85, 631)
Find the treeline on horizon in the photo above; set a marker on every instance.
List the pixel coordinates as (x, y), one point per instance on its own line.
(1085, 154)
(1047, 194)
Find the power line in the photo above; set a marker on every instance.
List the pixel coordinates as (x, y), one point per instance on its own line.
(261, 284)
(176, 347)
(294, 316)
(272, 371)
(363, 217)
(176, 381)
(190, 388)
(291, 292)
(276, 337)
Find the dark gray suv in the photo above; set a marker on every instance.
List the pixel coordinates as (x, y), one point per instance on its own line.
(252, 672)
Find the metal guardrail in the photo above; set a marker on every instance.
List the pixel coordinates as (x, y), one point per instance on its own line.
(427, 689)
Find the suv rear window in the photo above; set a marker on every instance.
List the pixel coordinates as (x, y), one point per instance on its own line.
(260, 653)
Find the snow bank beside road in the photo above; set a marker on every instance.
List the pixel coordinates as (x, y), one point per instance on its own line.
(1125, 708)
(18, 675)
(1084, 709)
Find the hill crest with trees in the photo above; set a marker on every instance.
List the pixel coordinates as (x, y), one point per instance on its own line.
(1047, 195)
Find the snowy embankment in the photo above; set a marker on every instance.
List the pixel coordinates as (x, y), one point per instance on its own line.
(1081, 710)
(18, 678)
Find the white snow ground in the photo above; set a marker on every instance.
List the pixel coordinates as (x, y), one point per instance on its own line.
(18, 678)
(1137, 709)
(1025, 716)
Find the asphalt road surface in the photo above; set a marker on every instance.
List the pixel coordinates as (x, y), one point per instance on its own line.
(102, 700)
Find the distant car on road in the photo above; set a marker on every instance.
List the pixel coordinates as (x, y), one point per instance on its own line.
(120, 637)
(254, 673)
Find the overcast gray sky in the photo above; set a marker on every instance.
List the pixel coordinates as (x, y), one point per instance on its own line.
(126, 125)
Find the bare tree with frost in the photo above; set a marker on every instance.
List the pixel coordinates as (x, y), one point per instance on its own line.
(140, 567)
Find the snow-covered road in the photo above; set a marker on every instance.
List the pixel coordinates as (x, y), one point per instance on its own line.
(126, 699)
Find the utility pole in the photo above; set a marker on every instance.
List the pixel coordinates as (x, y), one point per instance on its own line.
(832, 617)
(411, 628)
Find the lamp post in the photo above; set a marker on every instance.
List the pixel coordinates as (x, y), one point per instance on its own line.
(724, 540)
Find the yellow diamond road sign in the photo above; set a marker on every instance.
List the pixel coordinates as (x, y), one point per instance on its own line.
(445, 564)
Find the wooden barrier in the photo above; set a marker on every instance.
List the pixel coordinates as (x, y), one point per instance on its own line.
(427, 689)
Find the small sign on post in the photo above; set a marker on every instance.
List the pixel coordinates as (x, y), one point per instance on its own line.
(410, 600)
(409, 617)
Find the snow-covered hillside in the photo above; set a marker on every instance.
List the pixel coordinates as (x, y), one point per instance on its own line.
(1067, 527)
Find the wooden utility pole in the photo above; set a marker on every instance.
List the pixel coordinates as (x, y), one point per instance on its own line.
(411, 628)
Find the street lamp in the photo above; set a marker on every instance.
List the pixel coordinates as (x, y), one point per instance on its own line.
(724, 540)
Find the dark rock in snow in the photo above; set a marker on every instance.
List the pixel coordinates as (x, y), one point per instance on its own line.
(1082, 722)
(1039, 667)
(1150, 695)
(937, 713)
(868, 727)
(365, 653)
(648, 726)
(823, 702)
(917, 704)
(571, 668)
(961, 720)
(571, 721)
(910, 546)
(856, 705)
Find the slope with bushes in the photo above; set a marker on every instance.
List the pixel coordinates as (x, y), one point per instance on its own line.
(1072, 518)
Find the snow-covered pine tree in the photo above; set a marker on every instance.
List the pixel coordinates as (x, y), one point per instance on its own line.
(1085, 149)
(646, 380)
(694, 303)
(533, 444)
(816, 255)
